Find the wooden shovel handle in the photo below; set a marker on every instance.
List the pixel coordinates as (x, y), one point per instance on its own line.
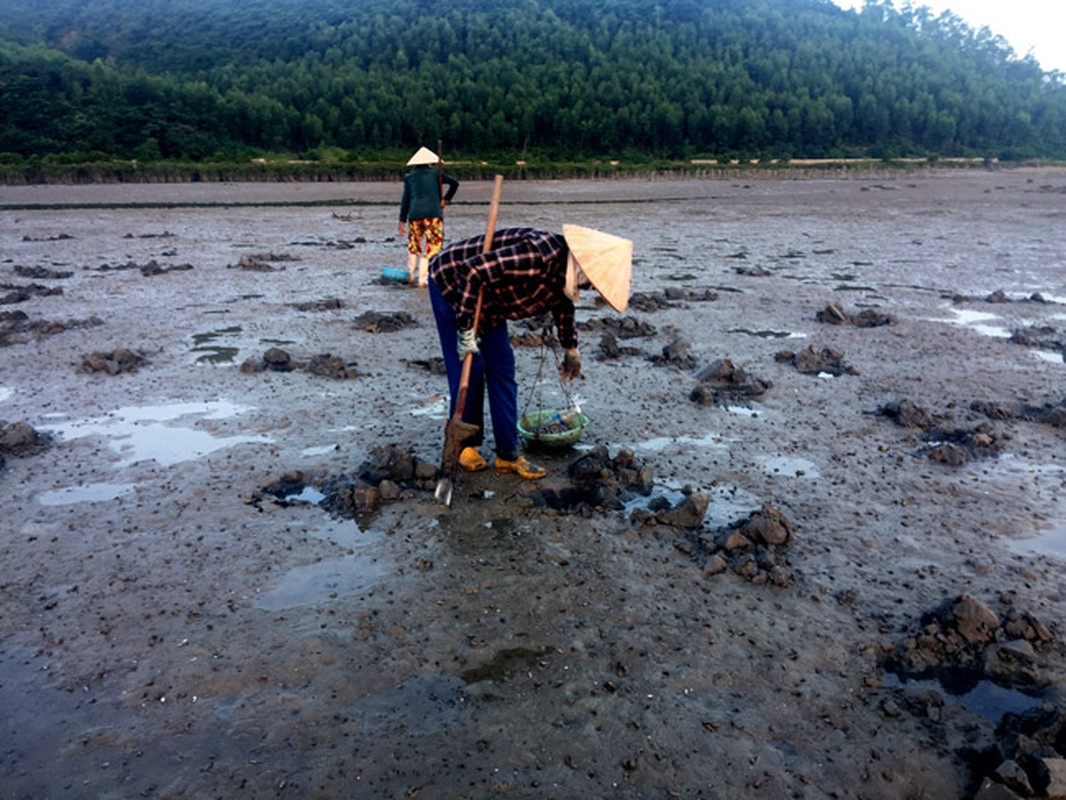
(468, 360)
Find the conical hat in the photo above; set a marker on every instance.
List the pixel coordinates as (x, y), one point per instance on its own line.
(606, 260)
(423, 156)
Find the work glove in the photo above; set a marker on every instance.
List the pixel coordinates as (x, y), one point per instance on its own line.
(467, 343)
(571, 366)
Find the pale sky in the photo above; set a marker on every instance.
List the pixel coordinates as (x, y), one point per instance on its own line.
(1036, 25)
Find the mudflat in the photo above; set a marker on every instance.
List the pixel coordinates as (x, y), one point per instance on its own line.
(810, 544)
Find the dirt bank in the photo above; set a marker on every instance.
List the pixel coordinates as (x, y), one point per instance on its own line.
(810, 545)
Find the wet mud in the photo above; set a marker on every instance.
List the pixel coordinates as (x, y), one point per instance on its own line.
(803, 548)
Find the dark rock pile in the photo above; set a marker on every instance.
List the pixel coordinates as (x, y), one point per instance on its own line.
(722, 381)
(388, 475)
(1028, 757)
(326, 365)
(966, 632)
(959, 446)
(598, 483)
(116, 362)
(814, 361)
(952, 447)
(752, 548)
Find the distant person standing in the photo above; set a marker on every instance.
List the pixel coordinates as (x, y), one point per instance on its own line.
(422, 209)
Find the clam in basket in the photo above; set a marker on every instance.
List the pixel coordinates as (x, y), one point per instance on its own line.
(551, 427)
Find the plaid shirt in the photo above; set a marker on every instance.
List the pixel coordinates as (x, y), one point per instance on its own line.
(523, 276)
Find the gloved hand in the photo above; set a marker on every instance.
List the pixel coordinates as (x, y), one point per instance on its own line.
(467, 343)
(571, 366)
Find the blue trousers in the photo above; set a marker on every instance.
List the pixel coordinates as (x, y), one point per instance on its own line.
(493, 369)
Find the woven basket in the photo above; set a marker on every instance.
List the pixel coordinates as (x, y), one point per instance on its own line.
(529, 423)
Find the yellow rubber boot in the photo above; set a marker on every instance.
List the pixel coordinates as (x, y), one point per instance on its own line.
(471, 460)
(521, 468)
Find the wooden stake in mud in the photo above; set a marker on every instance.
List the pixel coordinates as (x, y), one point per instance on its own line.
(456, 431)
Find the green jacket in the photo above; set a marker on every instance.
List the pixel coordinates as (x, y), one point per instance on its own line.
(421, 194)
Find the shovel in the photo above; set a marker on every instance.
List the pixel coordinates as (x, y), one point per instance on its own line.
(456, 431)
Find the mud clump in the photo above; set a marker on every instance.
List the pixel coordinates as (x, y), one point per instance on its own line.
(670, 297)
(609, 349)
(254, 264)
(627, 327)
(16, 325)
(751, 548)
(958, 447)
(1053, 414)
(328, 365)
(434, 365)
(116, 362)
(676, 354)
(20, 294)
(722, 382)
(390, 474)
(834, 314)
(42, 273)
(379, 322)
(153, 268)
(1000, 296)
(1040, 337)
(328, 304)
(21, 439)
(966, 632)
(814, 361)
(598, 483)
(908, 414)
(325, 365)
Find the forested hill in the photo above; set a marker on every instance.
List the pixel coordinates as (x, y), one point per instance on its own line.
(228, 80)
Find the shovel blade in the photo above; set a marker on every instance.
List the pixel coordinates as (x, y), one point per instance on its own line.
(456, 434)
(443, 492)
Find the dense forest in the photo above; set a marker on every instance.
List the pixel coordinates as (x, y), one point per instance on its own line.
(339, 81)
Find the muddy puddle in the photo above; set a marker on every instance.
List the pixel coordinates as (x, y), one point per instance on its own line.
(809, 544)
